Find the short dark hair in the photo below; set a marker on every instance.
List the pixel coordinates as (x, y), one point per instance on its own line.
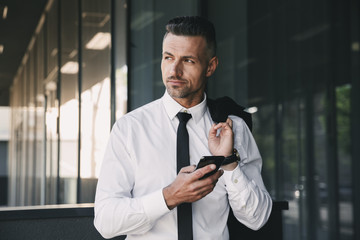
(193, 26)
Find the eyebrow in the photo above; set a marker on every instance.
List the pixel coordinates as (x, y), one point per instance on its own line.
(168, 53)
(189, 56)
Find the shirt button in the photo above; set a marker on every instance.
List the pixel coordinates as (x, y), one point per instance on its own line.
(235, 181)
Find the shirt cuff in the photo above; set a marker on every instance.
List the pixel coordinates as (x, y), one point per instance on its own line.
(237, 185)
(235, 179)
(154, 205)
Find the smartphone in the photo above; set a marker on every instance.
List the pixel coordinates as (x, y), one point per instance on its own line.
(206, 160)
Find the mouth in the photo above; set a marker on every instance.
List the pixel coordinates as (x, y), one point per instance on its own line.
(176, 82)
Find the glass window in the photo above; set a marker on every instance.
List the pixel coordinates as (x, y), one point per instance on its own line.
(21, 171)
(121, 68)
(284, 69)
(343, 113)
(95, 92)
(40, 121)
(31, 129)
(231, 76)
(4, 153)
(69, 102)
(51, 105)
(51, 39)
(26, 143)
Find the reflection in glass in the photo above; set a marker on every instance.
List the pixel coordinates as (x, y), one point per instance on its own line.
(96, 114)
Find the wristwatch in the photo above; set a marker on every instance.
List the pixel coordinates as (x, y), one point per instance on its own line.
(232, 158)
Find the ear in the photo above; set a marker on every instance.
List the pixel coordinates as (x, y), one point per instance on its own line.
(213, 63)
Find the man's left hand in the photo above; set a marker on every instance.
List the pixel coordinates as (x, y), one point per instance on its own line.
(222, 144)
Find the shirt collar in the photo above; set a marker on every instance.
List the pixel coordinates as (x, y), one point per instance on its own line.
(172, 108)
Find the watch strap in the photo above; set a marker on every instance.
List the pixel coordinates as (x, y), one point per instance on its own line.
(232, 158)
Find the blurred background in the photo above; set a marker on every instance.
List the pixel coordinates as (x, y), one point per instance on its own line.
(70, 68)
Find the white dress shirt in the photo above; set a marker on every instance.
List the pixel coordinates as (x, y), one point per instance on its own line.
(140, 160)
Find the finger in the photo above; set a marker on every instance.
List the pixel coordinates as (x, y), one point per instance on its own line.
(203, 187)
(225, 128)
(219, 125)
(212, 132)
(202, 171)
(209, 183)
(215, 177)
(188, 169)
(210, 179)
(229, 122)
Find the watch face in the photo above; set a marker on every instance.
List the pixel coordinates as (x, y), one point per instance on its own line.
(237, 154)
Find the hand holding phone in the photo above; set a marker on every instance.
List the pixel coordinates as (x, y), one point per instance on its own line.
(206, 160)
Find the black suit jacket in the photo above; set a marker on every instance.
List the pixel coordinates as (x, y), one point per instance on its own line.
(222, 107)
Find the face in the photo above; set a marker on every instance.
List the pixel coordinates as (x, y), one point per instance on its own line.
(185, 67)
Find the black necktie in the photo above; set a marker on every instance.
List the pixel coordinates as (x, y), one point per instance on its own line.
(184, 211)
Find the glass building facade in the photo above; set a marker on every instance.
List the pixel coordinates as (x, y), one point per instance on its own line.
(293, 64)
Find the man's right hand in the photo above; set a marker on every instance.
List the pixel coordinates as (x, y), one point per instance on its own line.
(188, 188)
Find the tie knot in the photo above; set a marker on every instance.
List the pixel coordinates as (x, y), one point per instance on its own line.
(183, 117)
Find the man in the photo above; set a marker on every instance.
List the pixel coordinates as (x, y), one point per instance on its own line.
(139, 190)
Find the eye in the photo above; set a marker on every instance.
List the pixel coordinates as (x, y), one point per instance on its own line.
(189, 61)
(167, 57)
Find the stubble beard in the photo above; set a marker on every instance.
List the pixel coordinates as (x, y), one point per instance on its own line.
(178, 92)
(183, 92)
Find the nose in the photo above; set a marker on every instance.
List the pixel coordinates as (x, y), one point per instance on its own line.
(176, 69)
